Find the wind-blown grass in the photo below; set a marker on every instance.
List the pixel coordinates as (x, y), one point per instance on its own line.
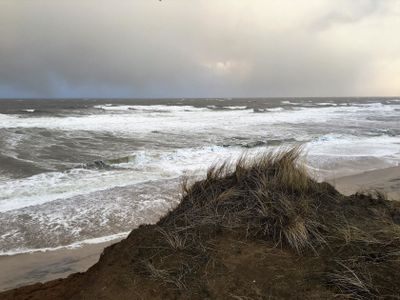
(271, 195)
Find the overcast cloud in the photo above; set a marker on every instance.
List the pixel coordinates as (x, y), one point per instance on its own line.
(195, 48)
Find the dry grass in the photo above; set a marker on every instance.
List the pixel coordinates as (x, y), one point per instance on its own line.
(365, 259)
(352, 284)
(174, 239)
(166, 276)
(271, 195)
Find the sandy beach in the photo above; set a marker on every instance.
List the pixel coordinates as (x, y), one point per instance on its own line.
(25, 269)
(384, 180)
(22, 269)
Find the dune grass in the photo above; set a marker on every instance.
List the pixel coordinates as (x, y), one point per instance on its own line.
(271, 197)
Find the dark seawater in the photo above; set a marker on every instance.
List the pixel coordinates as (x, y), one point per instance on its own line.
(87, 170)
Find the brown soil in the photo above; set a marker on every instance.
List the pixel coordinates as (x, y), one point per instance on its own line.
(257, 230)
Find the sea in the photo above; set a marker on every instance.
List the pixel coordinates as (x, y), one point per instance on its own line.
(84, 171)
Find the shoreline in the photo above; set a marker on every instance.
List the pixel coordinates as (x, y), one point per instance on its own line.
(385, 180)
(75, 245)
(27, 268)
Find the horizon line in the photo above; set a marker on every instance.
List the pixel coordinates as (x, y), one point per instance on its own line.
(187, 98)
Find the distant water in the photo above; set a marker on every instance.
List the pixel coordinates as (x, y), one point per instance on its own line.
(76, 171)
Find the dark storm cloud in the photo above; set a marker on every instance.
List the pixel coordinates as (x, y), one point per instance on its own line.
(198, 48)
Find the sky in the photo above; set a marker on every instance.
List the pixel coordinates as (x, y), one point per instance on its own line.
(199, 48)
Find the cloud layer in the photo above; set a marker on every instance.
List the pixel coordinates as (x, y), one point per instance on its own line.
(199, 48)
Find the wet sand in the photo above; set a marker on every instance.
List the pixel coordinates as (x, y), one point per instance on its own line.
(24, 269)
(385, 180)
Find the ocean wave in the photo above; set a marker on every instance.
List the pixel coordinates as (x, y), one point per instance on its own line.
(29, 110)
(75, 245)
(180, 119)
(13, 167)
(346, 155)
(143, 166)
(102, 213)
(244, 143)
(263, 110)
(326, 104)
(218, 107)
(108, 163)
(149, 108)
(139, 167)
(114, 165)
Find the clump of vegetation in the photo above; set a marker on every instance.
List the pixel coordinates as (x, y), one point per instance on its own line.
(272, 198)
(269, 196)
